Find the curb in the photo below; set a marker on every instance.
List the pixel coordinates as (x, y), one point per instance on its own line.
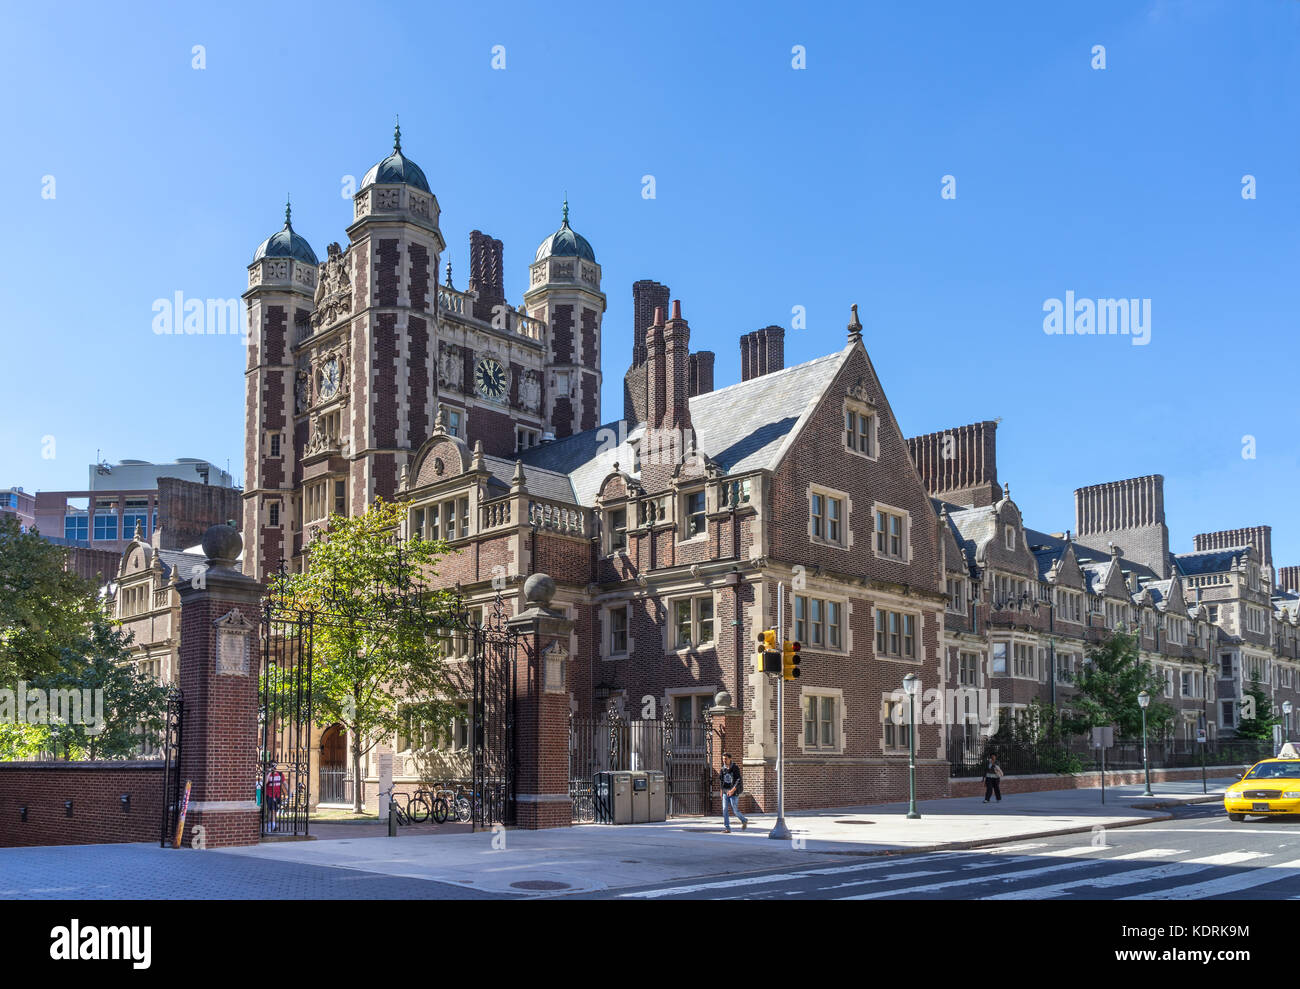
(950, 846)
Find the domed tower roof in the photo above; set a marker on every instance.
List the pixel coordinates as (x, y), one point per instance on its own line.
(286, 244)
(565, 243)
(397, 169)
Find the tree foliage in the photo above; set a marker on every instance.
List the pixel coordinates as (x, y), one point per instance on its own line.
(45, 609)
(374, 662)
(1266, 715)
(1108, 688)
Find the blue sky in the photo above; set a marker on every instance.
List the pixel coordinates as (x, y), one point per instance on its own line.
(775, 188)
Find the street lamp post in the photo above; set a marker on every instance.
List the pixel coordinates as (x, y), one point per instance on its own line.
(1143, 700)
(911, 685)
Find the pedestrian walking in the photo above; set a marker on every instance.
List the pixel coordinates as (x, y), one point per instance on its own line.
(732, 786)
(992, 779)
(272, 793)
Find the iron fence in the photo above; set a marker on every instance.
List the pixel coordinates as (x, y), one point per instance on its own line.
(1077, 756)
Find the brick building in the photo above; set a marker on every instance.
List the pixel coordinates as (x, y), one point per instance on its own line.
(667, 532)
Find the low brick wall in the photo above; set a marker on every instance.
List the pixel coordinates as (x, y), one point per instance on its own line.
(95, 789)
(1084, 781)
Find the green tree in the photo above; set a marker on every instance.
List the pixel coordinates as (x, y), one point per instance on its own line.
(373, 664)
(101, 706)
(1266, 716)
(1108, 688)
(44, 607)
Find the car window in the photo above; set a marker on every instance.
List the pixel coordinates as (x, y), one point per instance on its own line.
(1275, 770)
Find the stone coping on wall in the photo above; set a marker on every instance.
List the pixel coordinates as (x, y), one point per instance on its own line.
(104, 764)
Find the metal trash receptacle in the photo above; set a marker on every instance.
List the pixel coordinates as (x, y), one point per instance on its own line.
(658, 796)
(612, 794)
(640, 798)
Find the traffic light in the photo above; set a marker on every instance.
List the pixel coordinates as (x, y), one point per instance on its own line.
(769, 658)
(790, 660)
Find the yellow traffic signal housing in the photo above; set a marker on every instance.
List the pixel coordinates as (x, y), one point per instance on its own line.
(790, 660)
(769, 658)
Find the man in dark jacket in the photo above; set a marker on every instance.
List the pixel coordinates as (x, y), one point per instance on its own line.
(992, 779)
(732, 786)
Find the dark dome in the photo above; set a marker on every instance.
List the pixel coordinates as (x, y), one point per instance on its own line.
(565, 243)
(397, 169)
(286, 244)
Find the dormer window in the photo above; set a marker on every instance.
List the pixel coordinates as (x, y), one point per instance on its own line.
(693, 515)
(618, 530)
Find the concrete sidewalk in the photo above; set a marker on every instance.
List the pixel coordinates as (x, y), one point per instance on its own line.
(595, 857)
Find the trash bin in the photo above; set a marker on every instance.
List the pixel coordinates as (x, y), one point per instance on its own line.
(658, 796)
(640, 798)
(612, 793)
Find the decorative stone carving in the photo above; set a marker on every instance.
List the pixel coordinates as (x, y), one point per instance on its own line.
(301, 391)
(233, 634)
(530, 391)
(334, 289)
(388, 199)
(451, 367)
(859, 391)
(419, 206)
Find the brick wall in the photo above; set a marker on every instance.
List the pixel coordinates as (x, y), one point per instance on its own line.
(95, 789)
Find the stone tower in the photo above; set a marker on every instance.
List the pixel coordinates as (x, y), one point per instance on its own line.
(564, 291)
(384, 334)
(281, 283)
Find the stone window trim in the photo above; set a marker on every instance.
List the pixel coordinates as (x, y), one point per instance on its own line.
(685, 517)
(858, 407)
(670, 624)
(827, 494)
(607, 650)
(838, 731)
(894, 741)
(1011, 641)
(919, 634)
(845, 606)
(876, 508)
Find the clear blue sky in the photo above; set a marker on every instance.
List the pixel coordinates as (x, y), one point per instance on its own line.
(775, 188)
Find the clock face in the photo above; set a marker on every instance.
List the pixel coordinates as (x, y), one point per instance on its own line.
(490, 379)
(329, 378)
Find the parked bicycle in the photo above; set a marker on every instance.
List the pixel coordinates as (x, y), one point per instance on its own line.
(395, 809)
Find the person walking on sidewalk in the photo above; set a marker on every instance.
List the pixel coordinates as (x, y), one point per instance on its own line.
(732, 786)
(992, 778)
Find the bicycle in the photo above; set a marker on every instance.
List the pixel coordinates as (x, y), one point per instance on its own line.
(417, 806)
(395, 809)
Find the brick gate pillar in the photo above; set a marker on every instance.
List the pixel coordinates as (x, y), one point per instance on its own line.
(219, 665)
(542, 710)
(728, 724)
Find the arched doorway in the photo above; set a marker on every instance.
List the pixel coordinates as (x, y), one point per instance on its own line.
(333, 766)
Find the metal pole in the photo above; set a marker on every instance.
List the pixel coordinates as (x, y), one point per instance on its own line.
(779, 830)
(912, 813)
(1146, 763)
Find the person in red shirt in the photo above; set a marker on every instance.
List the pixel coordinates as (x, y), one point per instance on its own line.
(272, 793)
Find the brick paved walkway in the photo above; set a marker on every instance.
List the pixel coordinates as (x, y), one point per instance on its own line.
(141, 872)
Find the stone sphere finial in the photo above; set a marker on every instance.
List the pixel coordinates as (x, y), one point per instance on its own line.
(221, 545)
(722, 699)
(538, 590)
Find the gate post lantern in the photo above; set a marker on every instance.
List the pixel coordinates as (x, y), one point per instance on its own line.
(218, 672)
(1144, 700)
(912, 686)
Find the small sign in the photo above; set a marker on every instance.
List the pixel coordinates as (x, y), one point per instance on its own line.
(1200, 734)
(233, 635)
(553, 660)
(1103, 737)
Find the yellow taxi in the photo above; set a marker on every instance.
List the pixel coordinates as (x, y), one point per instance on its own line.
(1270, 787)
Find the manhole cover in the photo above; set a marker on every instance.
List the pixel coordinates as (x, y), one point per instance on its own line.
(855, 822)
(539, 884)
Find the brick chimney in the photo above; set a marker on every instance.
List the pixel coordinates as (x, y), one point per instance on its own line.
(701, 372)
(762, 352)
(656, 368)
(677, 351)
(485, 273)
(647, 296)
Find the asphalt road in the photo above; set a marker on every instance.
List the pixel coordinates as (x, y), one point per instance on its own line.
(1199, 855)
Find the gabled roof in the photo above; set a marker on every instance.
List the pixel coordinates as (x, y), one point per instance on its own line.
(743, 427)
(539, 481)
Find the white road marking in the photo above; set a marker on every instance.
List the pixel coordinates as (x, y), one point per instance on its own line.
(1226, 858)
(1103, 882)
(976, 880)
(1150, 853)
(1009, 849)
(882, 879)
(1260, 876)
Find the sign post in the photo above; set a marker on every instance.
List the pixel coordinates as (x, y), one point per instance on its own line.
(779, 830)
(1103, 737)
(1200, 741)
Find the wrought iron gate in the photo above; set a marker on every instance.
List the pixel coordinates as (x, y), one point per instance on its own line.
(171, 749)
(284, 720)
(493, 713)
(682, 750)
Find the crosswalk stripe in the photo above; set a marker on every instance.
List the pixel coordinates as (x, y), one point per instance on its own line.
(1226, 858)
(777, 878)
(1227, 884)
(976, 880)
(1011, 849)
(883, 879)
(1103, 882)
(1149, 853)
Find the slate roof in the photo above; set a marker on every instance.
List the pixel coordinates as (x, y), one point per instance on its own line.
(743, 427)
(543, 483)
(973, 528)
(1207, 561)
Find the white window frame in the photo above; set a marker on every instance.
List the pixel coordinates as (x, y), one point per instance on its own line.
(900, 741)
(1009, 537)
(918, 627)
(803, 626)
(611, 530)
(610, 651)
(684, 535)
(827, 495)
